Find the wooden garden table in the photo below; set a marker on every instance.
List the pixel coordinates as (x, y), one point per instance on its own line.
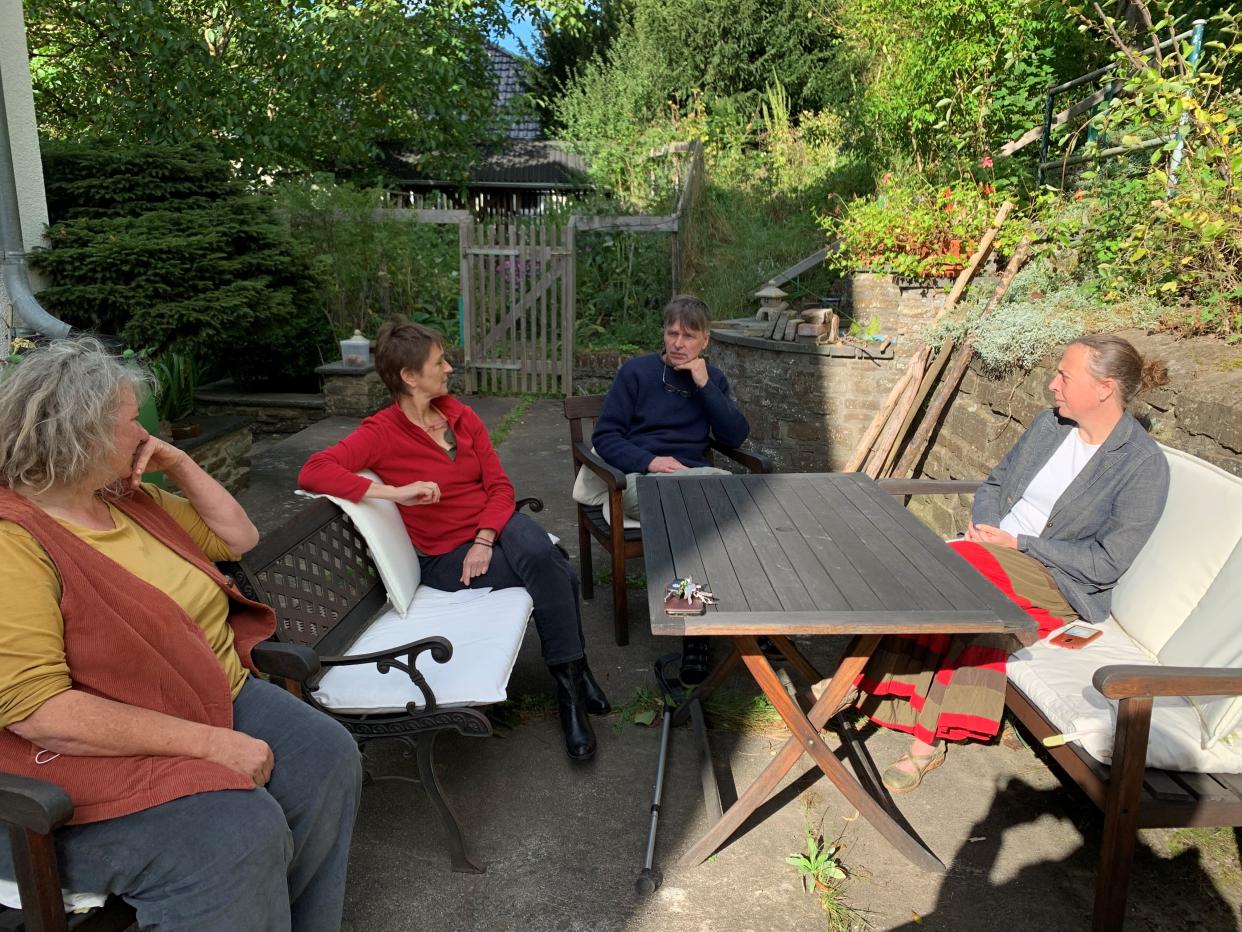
(805, 554)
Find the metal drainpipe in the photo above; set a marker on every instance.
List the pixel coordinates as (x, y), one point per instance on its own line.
(13, 247)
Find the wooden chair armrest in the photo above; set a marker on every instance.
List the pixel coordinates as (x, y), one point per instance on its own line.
(612, 477)
(34, 805)
(295, 662)
(754, 462)
(902, 487)
(1121, 681)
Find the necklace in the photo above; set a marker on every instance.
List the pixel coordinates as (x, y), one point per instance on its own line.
(436, 426)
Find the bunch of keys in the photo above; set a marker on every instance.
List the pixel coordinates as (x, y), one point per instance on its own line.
(684, 597)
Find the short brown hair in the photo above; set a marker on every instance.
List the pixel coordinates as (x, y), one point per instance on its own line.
(1112, 357)
(689, 311)
(403, 345)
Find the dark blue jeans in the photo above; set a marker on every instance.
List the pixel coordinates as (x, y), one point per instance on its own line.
(272, 858)
(524, 556)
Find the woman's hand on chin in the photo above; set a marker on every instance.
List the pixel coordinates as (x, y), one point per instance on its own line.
(154, 455)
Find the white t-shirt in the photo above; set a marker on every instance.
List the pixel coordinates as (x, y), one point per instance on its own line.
(1029, 514)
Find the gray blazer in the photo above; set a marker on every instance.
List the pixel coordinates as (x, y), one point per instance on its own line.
(1100, 522)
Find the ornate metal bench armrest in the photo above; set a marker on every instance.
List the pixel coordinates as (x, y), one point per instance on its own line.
(1122, 681)
(441, 651)
(902, 487)
(292, 661)
(612, 477)
(754, 462)
(534, 504)
(33, 805)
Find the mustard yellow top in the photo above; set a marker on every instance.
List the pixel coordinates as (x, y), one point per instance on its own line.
(32, 647)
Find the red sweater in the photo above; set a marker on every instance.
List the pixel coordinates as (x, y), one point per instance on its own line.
(475, 493)
(127, 641)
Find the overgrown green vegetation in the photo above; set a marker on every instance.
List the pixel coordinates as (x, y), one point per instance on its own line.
(162, 246)
(892, 144)
(367, 270)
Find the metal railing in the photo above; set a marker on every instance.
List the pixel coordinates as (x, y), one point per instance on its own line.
(1105, 94)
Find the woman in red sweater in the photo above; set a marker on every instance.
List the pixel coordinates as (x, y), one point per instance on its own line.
(435, 460)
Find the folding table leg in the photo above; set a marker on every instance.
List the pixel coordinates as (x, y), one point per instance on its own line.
(796, 658)
(805, 738)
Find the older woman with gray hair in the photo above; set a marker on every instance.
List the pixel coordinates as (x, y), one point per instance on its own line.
(205, 797)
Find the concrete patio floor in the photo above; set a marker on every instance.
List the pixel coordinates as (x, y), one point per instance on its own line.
(563, 844)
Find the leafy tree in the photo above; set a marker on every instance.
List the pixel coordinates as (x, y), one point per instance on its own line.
(948, 78)
(191, 262)
(332, 84)
(561, 53)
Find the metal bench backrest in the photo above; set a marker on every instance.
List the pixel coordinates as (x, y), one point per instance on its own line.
(316, 572)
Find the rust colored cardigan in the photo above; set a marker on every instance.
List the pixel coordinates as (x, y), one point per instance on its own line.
(127, 641)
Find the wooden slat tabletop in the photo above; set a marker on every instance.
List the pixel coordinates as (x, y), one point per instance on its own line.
(808, 553)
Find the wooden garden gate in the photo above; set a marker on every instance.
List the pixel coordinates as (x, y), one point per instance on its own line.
(517, 290)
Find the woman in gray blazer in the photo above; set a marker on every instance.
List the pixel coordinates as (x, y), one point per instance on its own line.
(1055, 525)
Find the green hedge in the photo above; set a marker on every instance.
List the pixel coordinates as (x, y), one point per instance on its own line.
(163, 246)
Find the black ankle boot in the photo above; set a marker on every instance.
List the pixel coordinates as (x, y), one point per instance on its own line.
(596, 702)
(571, 697)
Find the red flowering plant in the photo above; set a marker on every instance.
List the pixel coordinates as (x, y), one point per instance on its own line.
(911, 228)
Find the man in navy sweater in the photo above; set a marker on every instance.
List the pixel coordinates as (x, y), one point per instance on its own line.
(657, 418)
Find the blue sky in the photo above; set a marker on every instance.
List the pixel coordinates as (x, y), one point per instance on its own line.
(518, 30)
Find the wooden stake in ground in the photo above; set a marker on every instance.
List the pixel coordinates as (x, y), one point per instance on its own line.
(877, 423)
(875, 462)
(863, 450)
(906, 413)
(982, 251)
(957, 368)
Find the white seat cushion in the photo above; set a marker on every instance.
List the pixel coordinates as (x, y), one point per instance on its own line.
(379, 522)
(1212, 637)
(74, 902)
(1058, 683)
(485, 628)
(1198, 530)
(626, 520)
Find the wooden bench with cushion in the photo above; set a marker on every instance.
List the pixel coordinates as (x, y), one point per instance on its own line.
(622, 540)
(1150, 711)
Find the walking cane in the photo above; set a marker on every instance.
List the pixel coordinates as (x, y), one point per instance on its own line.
(649, 878)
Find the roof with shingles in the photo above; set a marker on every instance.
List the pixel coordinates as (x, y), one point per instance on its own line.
(510, 86)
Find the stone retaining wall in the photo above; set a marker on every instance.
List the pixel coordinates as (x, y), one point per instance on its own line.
(1199, 411)
(807, 406)
(222, 449)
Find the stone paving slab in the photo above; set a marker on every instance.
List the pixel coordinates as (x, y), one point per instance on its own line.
(563, 843)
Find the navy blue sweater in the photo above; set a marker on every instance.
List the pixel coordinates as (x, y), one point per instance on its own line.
(642, 419)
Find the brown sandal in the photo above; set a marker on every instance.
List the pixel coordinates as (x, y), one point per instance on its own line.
(897, 780)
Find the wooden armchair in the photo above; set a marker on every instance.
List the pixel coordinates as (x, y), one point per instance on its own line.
(620, 542)
(1131, 794)
(33, 810)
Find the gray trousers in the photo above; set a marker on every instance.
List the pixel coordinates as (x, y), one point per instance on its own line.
(267, 860)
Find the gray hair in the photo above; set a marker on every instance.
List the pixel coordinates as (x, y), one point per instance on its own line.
(57, 410)
(688, 311)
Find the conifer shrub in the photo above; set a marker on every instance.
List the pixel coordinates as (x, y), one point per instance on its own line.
(163, 246)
